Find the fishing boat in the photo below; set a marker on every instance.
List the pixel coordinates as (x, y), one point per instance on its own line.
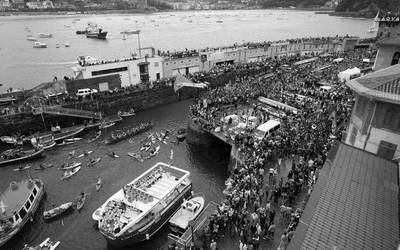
(189, 211)
(94, 161)
(138, 210)
(45, 35)
(44, 166)
(123, 114)
(57, 211)
(18, 204)
(47, 244)
(71, 166)
(106, 125)
(117, 136)
(98, 185)
(16, 155)
(136, 156)
(81, 201)
(39, 45)
(69, 173)
(375, 25)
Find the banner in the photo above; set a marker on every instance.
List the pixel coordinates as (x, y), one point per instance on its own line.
(182, 81)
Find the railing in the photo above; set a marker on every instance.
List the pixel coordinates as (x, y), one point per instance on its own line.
(65, 111)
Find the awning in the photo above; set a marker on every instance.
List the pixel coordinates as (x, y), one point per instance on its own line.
(182, 81)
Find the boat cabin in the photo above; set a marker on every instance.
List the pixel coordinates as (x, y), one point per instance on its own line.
(17, 202)
(190, 206)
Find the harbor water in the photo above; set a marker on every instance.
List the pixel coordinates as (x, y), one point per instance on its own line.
(208, 168)
(23, 66)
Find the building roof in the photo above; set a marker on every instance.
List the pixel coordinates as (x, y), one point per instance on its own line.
(354, 204)
(14, 198)
(383, 84)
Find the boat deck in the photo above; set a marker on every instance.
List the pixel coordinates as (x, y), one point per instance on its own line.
(198, 223)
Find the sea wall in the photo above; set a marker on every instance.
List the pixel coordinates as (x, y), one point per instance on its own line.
(196, 135)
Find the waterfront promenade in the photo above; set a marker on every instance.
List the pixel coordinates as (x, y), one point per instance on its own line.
(263, 202)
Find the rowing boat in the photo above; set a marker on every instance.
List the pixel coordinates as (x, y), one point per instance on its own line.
(81, 202)
(22, 169)
(69, 173)
(93, 161)
(71, 166)
(98, 185)
(52, 213)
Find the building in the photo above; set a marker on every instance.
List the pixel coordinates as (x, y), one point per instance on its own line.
(5, 4)
(353, 205)
(40, 5)
(132, 71)
(388, 37)
(375, 121)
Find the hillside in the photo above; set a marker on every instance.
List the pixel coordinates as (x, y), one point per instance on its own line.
(295, 3)
(368, 7)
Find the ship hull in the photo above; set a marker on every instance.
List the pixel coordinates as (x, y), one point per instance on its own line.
(139, 236)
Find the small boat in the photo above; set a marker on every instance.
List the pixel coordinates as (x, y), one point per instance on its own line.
(220, 21)
(44, 166)
(72, 139)
(50, 214)
(81, 201)
(61, 134)
(57, 45)
(71, 166)
(130, 32)
(20, 168)
(69, 173)
(123, 114)
(17, 155)
(136, 156)
(9, 140)
(181, 134)
(106, 125)
(118, 136)
(97, 34)
(98, 184)
(39, 45)
(45, 35)
(66, 44)
(188, 211)
(31, 38)
(85, 153)
(47, 244)
(93, 161)
(113, 155)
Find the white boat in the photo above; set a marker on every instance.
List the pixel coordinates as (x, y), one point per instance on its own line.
(57, 211)
(138, 210)
(85, 153)
(47, 244)
(8, 140)
(72, 139)
(189, 211)
(45, 35)
(69, 173)
(66, 44)
(39, 45)
(31, 38)
(71, 166)
(375, 25)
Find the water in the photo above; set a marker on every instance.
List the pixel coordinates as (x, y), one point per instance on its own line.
(24, 67)
(75, 231)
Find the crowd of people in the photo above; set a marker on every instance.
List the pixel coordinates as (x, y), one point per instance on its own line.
(259, 198)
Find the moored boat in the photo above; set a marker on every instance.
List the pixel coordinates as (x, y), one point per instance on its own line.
(57, 211)
(138, 210)
(189, 211)
(18, 204)
(47, 244)
(118, 136)
(16, 155)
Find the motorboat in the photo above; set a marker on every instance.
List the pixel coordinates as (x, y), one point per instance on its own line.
(73, 139)
(47, 244)
(57, 211)
(18, 204)
(17, 155)
(181, 134)
(142, 207)
(69, 173)
(45, 35)
(39, 45)
(188, 211)
(66, 133)
(113, 155)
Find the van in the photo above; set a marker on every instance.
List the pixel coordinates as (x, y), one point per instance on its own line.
(85, 92)
(265, 129)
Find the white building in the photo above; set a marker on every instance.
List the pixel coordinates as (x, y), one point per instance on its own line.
(132, 71)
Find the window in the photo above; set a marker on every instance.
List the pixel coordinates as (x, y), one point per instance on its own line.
(34, 191)
(109, 71)
(386, 150)
(396, 58)
(28, 205)
(22, 213)
(31, 198)
(156, 64)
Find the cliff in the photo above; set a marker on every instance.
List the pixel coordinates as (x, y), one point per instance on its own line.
(294, 3)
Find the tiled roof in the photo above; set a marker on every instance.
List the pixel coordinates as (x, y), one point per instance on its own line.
(354, 204)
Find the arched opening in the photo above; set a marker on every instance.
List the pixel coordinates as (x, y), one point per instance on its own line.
(396, 58)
